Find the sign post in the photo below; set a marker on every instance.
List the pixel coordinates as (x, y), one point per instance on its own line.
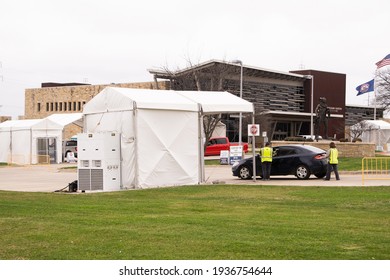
(254, 130)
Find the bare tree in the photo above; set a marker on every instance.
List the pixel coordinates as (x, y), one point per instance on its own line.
(382, 80)
(357, 130)
(196, 77)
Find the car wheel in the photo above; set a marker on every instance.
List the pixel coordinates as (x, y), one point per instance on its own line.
(320, 175)
(302, 172)
(245, 173)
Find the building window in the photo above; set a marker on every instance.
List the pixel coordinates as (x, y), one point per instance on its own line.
(39, 107)
(56, 105)
(47, 106)
(65, 106)
(69, 106)
(60, 106)
(79, 106)
(51, 106)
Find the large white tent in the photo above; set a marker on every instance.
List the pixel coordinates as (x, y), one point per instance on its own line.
(20, 140)
(161, 131)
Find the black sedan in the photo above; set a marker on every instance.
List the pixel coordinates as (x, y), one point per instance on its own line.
(298, 160)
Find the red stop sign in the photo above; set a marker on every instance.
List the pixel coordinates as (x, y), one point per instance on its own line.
(254, 129)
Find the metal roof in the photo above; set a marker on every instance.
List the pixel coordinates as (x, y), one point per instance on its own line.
(247, 70)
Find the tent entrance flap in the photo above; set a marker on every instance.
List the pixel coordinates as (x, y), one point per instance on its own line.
(46, 150)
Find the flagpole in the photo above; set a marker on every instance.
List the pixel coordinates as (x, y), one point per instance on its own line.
(376, 72)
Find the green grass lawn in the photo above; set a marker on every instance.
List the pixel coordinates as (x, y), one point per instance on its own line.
(215, 222)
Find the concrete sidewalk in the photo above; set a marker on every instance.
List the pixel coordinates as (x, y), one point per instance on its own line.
(49, 178)
(36, 178)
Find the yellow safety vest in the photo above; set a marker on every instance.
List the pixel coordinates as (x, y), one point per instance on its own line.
(333, 157)
(266, 154)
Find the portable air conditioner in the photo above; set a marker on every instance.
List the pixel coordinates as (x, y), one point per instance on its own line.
(99, 166)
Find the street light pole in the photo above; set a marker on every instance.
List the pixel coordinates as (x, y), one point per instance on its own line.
(311, 77)
(240, 118)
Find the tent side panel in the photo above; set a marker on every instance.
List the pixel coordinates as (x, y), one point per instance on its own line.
(5, 146)
(168, 143)
(21, 146)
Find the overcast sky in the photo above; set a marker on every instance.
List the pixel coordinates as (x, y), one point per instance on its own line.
(116, 41)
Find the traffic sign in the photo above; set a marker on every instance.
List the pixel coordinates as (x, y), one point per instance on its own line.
(253, 130)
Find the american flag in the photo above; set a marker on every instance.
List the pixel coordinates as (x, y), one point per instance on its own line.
(383, 62)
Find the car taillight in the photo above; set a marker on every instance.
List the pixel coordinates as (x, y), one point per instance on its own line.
(320, 156)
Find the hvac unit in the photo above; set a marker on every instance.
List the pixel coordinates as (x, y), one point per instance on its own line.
(99, 161)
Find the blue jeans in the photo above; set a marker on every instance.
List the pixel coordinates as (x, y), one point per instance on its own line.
(330, 168)
(266, 169)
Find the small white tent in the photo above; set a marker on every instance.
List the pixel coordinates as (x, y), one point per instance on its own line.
(71, 123)
(65, 119)
(21, 141)
(378, 132)
(161, 131)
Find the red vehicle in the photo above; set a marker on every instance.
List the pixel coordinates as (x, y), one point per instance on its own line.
(218, 144)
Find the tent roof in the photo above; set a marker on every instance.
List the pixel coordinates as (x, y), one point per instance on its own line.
(218, 101)
(124, 99)
(29, 124)
(379, 124)
(116, 99)
(65, 119)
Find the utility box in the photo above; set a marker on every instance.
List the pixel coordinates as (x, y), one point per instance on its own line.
(99, 165)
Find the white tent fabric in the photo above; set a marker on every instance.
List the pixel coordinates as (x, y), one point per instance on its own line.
(18, 139)
(378, 132)
(65, 119)
(214, 102)
(161, 141)
(220, 130)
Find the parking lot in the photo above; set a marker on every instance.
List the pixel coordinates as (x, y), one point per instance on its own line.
(49, 178)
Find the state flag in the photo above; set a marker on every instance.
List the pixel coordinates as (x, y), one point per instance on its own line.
(366, 87)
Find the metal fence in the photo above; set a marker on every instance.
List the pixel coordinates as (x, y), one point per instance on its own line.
(375, 168)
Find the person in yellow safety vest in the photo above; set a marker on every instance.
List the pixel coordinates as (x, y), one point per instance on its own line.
(332, 155)
(266, 160)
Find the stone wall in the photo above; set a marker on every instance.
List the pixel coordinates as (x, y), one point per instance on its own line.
(346, 149)
(71, 130)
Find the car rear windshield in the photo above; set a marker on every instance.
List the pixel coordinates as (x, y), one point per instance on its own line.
(314, 149)
(71, 143)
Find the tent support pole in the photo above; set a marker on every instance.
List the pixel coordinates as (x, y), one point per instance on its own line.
(254, 148)
(201, 175)
(10, 143)
(136, 179)
(31, 147)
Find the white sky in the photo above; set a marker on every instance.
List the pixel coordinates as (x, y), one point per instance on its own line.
(115, 41)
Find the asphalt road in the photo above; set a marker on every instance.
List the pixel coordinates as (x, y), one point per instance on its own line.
(49, 178)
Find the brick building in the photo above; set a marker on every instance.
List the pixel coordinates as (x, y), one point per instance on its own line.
(282, 100)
